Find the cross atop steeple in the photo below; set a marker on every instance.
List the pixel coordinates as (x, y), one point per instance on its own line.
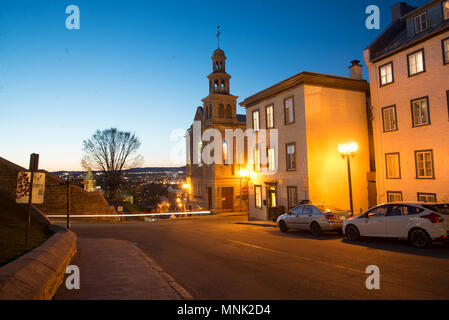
(218, 36)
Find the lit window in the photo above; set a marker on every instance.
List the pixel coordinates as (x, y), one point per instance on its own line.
(420, 112)
(421, 23)
(271, 160)
(257, 159)
(416, 62)
(291, 157)
(289, 112)
(389, 118)
(386, 74)
(292, 195)
(256, 121)
(427, 197)
(393, 169)
(446, 51)
(258, 196)
(446, 10)
(394, 196)
(200, 149)
(225, 152)
(424, 164)
(270, 117)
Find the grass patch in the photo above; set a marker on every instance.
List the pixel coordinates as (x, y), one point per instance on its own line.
(12, 231)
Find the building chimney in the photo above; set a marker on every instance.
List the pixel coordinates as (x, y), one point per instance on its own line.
(355, 70)
(400, 9)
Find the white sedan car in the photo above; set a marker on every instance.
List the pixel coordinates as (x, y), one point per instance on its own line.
(315, 218)
(420, 223)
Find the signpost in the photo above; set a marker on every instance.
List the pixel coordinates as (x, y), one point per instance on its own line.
(68, 200)
(34, 165)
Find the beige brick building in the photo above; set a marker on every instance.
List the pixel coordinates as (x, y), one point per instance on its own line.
(409, 75)
(313, 114)
(215, 187)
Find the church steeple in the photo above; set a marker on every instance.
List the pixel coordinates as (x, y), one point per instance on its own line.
(219, 79)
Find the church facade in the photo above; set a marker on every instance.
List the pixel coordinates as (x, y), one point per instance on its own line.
(218, 186)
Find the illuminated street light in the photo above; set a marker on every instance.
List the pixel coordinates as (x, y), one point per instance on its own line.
(347, 151)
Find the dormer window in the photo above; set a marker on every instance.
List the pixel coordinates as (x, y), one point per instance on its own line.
(446, 10)
(421, 23)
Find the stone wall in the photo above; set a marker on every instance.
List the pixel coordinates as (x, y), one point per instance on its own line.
(55, 199)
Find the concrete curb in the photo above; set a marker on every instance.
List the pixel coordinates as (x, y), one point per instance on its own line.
(259, 224)
(38, 274)
(171, 282)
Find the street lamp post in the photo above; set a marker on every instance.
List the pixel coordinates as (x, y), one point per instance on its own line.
(347, 151)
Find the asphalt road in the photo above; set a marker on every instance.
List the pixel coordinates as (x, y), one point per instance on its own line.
(216, 257)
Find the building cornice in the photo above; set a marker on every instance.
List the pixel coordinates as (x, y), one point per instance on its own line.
(307, 78)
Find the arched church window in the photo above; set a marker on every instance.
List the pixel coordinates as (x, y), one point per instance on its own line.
(216, 85)
(221, 111)
(229, 111)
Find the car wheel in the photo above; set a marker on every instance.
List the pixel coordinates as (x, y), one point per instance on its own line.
(352, 232)
(315, 229)
(419, 238)
(283, 226)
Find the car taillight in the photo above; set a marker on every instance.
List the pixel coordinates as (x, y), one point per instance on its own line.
(434, 218)
(331, 217)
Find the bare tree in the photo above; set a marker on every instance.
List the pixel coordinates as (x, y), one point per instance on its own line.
(111, 151)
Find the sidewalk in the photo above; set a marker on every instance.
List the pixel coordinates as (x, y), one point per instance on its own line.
(117, 270)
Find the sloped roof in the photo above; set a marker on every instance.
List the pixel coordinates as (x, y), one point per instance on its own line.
(396, 38)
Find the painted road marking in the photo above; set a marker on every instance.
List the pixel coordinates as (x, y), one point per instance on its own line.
(296, 256)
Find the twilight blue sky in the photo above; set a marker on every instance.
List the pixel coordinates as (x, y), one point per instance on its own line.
(142, 65)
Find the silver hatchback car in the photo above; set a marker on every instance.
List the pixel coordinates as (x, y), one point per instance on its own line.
(316, 218)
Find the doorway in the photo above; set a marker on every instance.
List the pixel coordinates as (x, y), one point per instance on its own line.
(209, 198)
(227, 198)
(271, 202)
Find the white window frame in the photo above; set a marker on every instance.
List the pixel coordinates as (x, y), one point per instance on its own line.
(271, 159)
(257, 164)
(292, 200)
(419, 19)
(389, 118)
(420, 112)
(256, 120)
(386, 74)
(289, 111)
(258, 197)
(445, 44)
(424, 165)
(394, 196)
(289, 162)
(427, 197)
(270, 117)
(416, 63)
(393, 165)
